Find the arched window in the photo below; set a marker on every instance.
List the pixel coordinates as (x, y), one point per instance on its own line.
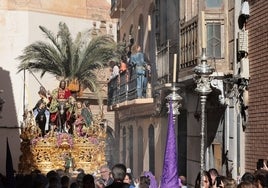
(110, 147)
(151, 149)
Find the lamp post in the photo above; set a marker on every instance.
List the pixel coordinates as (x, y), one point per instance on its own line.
(203, 72)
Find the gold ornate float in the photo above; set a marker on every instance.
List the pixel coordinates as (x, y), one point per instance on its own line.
(52, 151)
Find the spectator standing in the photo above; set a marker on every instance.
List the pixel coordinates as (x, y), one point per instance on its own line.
(114, 70)
(128, 180)
(183, 181)
(213, 174)
(65, 180)
(119, 173)
(99, 183)
(207, 181)
(144, 182)
(88, 181)
(105, 173)
(137, 60)
(123, 64)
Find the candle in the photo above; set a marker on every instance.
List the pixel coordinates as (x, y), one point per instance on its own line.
(174, 68)
(204, 33)
(149, 23)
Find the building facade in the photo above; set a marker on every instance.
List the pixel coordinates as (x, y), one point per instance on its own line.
(165, 28)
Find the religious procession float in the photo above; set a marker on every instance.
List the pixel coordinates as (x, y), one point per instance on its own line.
(72, 139)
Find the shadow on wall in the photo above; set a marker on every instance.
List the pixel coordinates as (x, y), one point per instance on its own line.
(8, 122)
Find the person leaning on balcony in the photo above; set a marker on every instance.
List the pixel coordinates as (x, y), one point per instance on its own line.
(137, 60)
(123, 64)
(114, 69)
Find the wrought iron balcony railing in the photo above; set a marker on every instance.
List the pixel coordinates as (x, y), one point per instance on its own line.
(123, 88)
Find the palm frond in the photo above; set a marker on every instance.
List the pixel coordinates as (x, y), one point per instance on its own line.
(70, 59)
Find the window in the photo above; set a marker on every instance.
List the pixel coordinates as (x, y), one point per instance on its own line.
(151, 149)
(213, 3)
(214, 40)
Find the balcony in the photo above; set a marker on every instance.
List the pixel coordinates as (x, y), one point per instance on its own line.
(122, 91)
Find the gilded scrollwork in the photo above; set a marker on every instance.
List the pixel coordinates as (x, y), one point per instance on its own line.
(49, 152)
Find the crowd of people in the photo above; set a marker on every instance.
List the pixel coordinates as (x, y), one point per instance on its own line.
(121, 177)
(59, 111)
(256, 179)
(117, 177)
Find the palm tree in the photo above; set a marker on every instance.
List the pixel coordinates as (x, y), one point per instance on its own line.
(70, 59)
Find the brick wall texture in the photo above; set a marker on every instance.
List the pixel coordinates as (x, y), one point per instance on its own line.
(256, 137)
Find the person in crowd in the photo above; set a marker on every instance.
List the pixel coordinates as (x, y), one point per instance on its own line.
(207, 181)
(153, 182)
(88, 181)
(119, 173)
(213, 174)
(65, 180)
(183, 181)
(41, 112)
(144, 182)
(248, 176)
(99, 183)
(128, 180)
(114, 70)
(246, 184)
(79, 180)
(105, 173)
(137, 60)
(219, 181)
(60, 107)
(227, 182)
(53, 178)
(261, 178)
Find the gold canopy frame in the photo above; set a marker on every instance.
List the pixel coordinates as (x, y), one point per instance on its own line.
(51, 151)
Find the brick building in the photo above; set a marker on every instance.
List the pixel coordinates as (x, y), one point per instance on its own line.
(256, 135)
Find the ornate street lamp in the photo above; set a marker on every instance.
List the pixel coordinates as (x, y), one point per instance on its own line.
(203, 79)
(203, 71)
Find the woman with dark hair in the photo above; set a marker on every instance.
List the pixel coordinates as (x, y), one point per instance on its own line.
(207, 181)
(88, 181)
(128, 180)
